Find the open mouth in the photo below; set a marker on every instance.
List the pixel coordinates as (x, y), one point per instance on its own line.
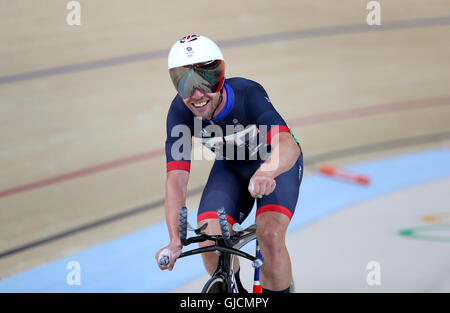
(201, 104)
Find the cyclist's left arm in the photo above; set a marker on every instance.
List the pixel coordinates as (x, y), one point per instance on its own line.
(285, 149)
(284, 154)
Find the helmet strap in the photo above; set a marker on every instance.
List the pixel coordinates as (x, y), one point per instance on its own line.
(218, 104)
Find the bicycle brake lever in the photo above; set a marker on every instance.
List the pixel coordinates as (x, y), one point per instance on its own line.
(200, 230)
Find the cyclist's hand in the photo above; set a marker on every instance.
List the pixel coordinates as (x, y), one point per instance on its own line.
(261, 185)
(173, 251)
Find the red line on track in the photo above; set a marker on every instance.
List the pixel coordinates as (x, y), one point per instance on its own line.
(303, 121)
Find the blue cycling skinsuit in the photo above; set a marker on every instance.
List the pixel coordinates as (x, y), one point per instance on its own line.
(240, 136)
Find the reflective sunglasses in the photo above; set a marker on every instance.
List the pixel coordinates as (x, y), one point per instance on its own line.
(206, 76)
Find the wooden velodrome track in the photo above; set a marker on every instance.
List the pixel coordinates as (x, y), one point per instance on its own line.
(82, 108)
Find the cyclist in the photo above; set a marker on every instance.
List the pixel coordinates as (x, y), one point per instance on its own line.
(257, 157)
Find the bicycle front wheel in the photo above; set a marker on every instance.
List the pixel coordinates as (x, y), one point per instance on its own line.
(215, 284)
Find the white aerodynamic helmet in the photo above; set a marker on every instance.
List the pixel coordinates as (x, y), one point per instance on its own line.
(193, 49)
(196, 62)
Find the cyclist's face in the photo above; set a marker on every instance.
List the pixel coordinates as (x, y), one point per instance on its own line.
(202, 104)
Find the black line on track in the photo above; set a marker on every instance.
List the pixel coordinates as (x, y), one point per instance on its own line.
(237, 42)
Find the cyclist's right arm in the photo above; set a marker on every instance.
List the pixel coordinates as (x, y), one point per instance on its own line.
(178, 148)
(176, 190)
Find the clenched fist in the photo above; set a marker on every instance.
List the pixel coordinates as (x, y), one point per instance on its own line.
(261, 185)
